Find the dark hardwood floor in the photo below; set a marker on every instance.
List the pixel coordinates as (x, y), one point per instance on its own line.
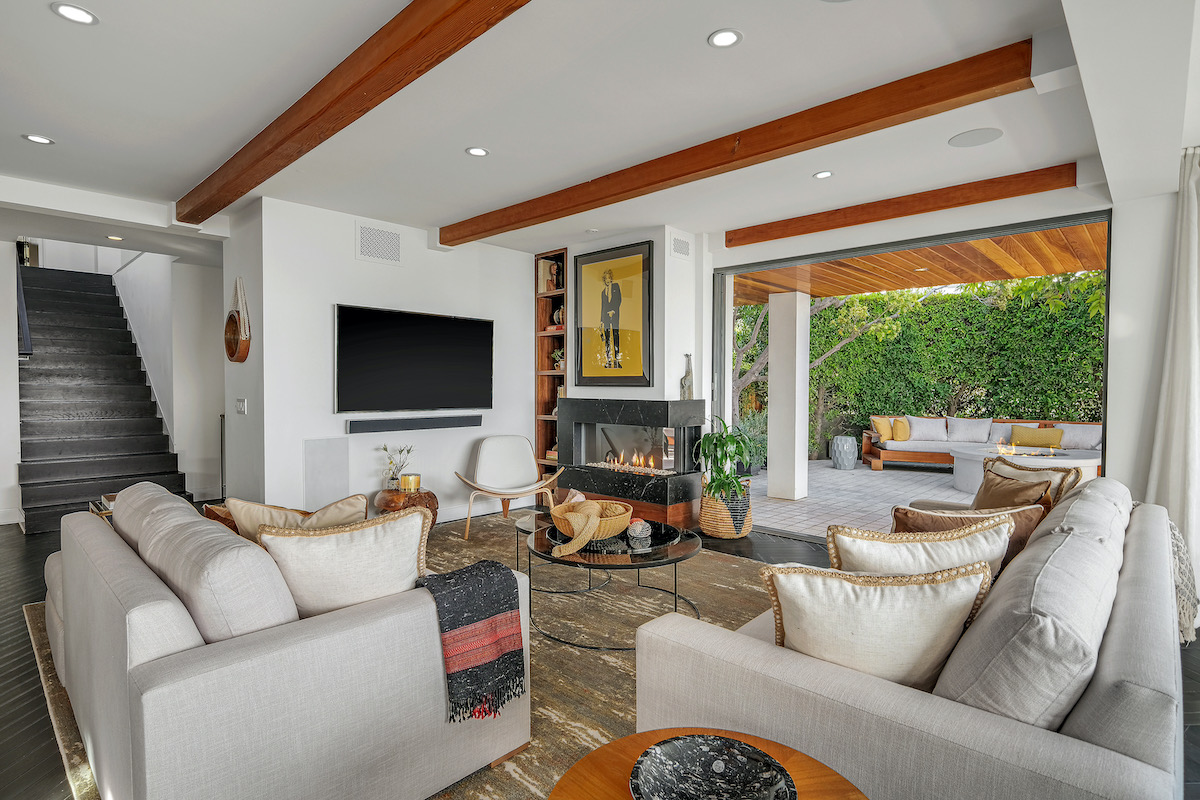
(31, 768)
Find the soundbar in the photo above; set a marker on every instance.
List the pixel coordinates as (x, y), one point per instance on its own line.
(412, 423)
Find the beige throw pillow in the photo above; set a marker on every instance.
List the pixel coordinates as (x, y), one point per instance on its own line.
(337, 567)
(917, 552)
(1062, 479)
(899, 628)
(251, 516)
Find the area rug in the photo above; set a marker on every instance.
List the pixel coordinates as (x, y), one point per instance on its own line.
(581, 699)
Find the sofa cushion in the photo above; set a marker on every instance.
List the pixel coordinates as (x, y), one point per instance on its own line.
(882, 426)
(1000, 432)
(1032, 649)
(134, 508)
(1026, 436)
(229, 585)
(1062, 479)
(1080, 435)
(899, 628)
(926, 429)
(251, 516)
(900, 430)
(916, 552)
(1025, 521)
(333, 568)
(1109, 506)
(961, 429)
(912, 446)
(997, 491)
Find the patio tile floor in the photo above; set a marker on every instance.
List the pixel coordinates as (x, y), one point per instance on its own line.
(860, 497)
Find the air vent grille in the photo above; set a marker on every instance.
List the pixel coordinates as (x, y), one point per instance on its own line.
(681, 247)
(377, 244)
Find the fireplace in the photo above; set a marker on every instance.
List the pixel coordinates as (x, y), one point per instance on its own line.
(638, 451)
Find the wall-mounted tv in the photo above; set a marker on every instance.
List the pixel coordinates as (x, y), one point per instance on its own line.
(402, 361)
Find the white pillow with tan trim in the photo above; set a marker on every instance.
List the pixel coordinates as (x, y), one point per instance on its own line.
(337, 567)
(913, 553)
(249, 517)
(899, 628)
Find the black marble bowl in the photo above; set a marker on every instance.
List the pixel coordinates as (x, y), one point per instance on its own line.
(700, 767)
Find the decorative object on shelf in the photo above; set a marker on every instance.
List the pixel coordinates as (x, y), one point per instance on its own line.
(557, 316)
(589, 520)
(397, 458)
(639, 533)
(703, 765)
(237, 325)
(390, 500)
(613, 322)
(685, 383)
(557, 357)
(844, 452)
(724, 498)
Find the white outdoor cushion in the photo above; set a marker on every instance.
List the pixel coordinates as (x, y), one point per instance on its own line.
(899, 628)
(926, 429)
(249, 517)
(961, 429)
(1080, 436)
(1033, 647)
(337, 567)
(1001, 431)
(229, 585)
(914, 553)
(911, 446)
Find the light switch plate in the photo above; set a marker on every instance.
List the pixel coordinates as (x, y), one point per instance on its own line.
(240, 405)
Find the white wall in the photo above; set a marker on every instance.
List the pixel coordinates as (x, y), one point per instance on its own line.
(308, 266)
(10, 402)
(197, 388)
(145, 290)
(1142, 249)
(244, 433)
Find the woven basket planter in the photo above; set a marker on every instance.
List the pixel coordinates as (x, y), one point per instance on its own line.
(726, 518)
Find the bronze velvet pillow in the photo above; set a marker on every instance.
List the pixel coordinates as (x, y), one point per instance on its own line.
(997, 491)
(220, 514)
(1025, 521)
(1062, 479)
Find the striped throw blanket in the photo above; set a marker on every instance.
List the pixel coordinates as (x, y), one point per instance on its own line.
(480, 621)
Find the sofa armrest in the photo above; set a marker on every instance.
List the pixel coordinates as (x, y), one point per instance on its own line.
(938, 505)
(351, 703)
(890, 741)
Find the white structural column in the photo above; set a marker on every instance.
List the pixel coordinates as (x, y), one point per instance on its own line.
(787, 392)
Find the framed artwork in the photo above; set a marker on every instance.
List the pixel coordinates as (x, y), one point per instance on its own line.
(613, 324)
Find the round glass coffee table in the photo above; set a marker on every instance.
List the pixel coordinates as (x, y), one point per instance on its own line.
(667, 547)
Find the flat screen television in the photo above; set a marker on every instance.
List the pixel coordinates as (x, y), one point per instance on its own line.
(402, 361)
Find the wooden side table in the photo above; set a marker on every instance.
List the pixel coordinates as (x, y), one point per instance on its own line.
(390, 500)
(604, 774)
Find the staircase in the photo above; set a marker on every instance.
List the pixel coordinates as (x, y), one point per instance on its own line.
(88, 424)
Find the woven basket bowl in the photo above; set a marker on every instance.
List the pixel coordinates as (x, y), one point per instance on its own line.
(608, 527)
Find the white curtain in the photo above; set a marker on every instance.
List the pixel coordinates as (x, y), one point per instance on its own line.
(1175, 462)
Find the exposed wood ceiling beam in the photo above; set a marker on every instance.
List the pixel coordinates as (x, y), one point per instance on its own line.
(416, 40)
(962, 83)
(964, 194)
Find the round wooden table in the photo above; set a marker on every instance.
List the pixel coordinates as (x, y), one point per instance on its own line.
(604, 774)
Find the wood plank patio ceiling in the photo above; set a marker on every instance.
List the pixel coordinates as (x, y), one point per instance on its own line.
(1079, 248)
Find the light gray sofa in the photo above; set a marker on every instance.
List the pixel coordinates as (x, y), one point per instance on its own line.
(350, 703)
(1123, 738)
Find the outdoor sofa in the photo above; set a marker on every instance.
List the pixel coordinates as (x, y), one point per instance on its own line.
(957, 431)
(1122, 738)
(349, 703)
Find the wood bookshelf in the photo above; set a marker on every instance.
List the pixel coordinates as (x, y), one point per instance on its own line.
(551, 266)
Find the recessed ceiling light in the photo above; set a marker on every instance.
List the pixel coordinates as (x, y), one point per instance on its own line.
(976, 137)
(823, 174)
(74, 13)
(726, 37)
(592, 230)
(117, 238)
(921, 269)
(477, 151)
(37, 138)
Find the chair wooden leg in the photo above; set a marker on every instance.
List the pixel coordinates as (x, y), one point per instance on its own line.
(470, 500)
(504, 506)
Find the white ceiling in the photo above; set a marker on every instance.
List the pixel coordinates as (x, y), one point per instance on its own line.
(158, 95)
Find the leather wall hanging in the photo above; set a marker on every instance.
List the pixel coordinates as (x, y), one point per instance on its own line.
(237, 325)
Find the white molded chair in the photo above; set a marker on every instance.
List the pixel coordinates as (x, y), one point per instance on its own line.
(507, 468)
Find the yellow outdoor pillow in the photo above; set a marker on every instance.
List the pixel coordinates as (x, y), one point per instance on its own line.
(882, 426)
(1023, 436)
(900, 429)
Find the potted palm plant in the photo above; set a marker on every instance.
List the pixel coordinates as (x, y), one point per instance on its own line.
(724, 499)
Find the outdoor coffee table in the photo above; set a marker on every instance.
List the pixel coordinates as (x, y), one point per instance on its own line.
(668, 546)
(604, 774)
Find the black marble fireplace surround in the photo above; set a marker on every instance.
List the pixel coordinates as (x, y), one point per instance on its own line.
(686, 417)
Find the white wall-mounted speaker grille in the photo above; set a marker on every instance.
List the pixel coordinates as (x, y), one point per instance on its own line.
(681, 247)
(378, 244)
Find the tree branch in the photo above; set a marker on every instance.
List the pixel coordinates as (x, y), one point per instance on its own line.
(753, 374)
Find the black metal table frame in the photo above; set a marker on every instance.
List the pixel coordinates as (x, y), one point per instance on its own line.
(529, 565)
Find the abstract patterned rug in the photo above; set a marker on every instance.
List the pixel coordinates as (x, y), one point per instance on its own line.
(581, 700)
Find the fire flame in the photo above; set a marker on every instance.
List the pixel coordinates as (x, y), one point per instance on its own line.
(1011, 450)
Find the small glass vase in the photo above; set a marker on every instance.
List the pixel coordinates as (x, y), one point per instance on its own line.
(392, 484)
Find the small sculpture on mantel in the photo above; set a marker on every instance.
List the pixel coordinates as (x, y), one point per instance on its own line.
(685, 383)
